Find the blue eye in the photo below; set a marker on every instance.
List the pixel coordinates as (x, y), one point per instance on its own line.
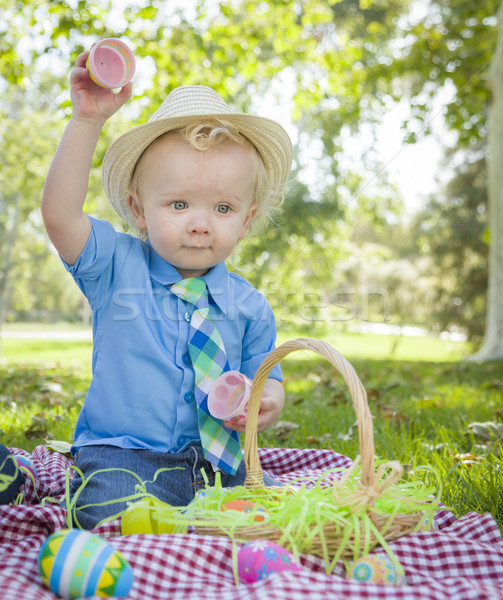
(179, 205)
(223, 209)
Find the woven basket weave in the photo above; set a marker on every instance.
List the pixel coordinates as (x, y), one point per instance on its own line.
(390, 527)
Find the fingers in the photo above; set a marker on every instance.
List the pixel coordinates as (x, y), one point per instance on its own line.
(265, 419)
(78, 74)
(238, 426)
(80, 71)
(267, 403)
(125, 93)
(82, 59)
(269, 412)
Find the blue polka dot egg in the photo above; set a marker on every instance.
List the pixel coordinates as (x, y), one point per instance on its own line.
(78, 564)
(375, 568)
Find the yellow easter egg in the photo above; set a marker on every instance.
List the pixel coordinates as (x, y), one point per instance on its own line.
(146, 516)
(79, 564)
(375, 568)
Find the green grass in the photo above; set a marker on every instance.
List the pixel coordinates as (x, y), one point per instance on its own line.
(65, 353)
(29, 326)
(367, 345)
(422, 409)
(352, 345)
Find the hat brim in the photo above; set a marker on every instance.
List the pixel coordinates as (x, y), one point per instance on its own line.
(268, 137)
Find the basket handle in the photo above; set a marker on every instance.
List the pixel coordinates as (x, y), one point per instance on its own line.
(254, 474)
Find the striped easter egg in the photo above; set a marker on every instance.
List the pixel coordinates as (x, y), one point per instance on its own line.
(78, 564)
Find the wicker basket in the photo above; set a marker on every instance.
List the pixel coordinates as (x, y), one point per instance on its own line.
(371, 484)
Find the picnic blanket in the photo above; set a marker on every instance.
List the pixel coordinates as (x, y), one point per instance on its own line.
(461, 560)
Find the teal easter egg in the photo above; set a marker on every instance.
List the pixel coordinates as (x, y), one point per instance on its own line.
(78, 564)
(375, 568)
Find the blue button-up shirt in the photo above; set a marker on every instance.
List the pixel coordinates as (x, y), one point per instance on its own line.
(141, 393)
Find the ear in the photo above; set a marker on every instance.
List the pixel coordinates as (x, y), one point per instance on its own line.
(249, 218)
(138, 214)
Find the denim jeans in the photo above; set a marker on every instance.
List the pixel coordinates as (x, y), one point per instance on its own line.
(176, 487)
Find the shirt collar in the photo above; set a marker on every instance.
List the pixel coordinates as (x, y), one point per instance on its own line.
(217, 278)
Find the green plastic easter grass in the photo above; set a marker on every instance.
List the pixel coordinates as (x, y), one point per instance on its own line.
(235, 572)
(300, 515)
(303, 519)
(369, 505)
(71, 503)
(309, 519)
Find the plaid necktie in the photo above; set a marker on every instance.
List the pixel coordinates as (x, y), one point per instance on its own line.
(220, 445)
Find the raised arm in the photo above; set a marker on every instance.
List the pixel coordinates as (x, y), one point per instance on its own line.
(68, 177)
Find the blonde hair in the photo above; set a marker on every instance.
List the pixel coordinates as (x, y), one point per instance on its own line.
(208, 133)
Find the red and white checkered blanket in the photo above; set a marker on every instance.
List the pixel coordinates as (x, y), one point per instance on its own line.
(461, 560)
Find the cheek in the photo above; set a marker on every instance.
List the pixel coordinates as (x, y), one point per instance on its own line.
(244, 227)
(158, 217)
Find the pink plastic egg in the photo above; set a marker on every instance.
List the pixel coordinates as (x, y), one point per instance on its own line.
(261, 558)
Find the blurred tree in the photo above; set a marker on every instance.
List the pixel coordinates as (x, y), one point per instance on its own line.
(343, 62)
(24, 151)
(493, 340)
(336, 51)
(460, 44)
(451, 233)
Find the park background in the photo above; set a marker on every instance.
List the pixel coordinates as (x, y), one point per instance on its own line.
(389, 242)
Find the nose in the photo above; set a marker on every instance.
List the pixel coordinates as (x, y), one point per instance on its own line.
(199, 224)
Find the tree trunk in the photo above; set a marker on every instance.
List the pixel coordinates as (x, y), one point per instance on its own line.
(492, 347)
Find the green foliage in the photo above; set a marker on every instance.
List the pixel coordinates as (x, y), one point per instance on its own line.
(454, 43)
(348, 61)
(21, 181)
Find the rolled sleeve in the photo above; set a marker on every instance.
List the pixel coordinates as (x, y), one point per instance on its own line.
(94, 261)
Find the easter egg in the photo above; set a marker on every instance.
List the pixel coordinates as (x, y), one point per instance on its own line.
(375, 568)
(261, 558)
(26, 464)
(208, 492)
(145, 516)
(78, 564)
(430, 525)
(247, 507)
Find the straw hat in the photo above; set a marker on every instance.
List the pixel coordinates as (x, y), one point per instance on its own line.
(183, 106)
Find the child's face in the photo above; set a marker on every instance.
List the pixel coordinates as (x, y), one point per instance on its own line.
(195, 205)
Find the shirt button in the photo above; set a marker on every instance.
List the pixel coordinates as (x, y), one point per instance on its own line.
(187, 316)
(186, 358)
(189, 397)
